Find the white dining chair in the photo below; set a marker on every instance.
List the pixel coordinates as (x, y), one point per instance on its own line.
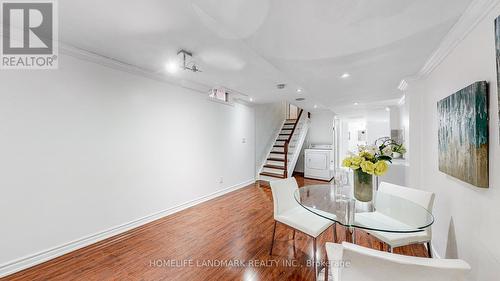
(289, 212)
(422, 198)
(349, 262)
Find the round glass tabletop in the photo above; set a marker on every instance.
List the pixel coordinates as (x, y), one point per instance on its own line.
(386, 213)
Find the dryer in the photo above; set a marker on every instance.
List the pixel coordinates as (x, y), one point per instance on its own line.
(319, 162)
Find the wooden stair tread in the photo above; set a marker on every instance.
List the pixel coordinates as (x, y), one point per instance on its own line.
(278, 145)
(277, 152)
(276, 159)
(285, 134)
(272, 175)
(274, 167)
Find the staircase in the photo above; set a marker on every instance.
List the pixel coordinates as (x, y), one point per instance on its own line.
(283, 154)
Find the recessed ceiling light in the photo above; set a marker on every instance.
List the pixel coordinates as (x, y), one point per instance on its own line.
(345, 75)
(299, 90)
(387, 109)
(315, 106)
(250, 99)
(172, 67)
(356, 103)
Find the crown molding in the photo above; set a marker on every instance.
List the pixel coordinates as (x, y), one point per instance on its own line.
(113, 63)
(116, 64)
(473, 15)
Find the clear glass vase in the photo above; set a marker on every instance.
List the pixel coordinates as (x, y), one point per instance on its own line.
(363, 186)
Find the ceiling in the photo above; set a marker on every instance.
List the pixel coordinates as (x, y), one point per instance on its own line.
(252, 45)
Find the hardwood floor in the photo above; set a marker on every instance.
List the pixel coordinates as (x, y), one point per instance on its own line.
(235, 227)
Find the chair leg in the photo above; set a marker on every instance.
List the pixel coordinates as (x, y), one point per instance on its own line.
(314, 259)
(429, 250)
(326, 270)
(335, 233)
(293, 238)
(272, 242)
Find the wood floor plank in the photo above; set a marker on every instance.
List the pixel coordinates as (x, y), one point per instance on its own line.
(234, 227)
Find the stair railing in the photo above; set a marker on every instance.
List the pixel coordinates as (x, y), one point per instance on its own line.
(298, 141)
(287, 142)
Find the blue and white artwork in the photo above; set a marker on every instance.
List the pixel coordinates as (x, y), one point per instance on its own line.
(497, 47)
(463, 134)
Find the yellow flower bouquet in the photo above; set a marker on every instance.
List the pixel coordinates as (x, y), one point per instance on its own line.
(369, 161)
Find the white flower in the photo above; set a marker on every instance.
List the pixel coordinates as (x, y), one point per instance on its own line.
(387, 151)
(372, 149)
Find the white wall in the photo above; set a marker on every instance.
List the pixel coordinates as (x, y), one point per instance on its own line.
(268, 121)
(343, 143)
(378, 125)
(467, 218)
(395, 117)
(321, 127)
(320, 132)
(404, 122)
(87, 148)
(352, 136)
(399, 119)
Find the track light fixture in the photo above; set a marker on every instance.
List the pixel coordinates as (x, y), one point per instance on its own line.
(187, 62)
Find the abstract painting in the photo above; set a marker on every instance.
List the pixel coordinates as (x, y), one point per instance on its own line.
(497, 47)
(463, 134)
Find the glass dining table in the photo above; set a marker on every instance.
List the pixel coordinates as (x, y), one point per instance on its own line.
(386, 213)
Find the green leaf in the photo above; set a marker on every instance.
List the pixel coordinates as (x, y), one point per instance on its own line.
(385, 158)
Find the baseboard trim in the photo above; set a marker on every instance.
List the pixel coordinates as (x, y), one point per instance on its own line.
(43, 256)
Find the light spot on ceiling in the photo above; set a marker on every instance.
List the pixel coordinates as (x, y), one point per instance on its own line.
(222, 60)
